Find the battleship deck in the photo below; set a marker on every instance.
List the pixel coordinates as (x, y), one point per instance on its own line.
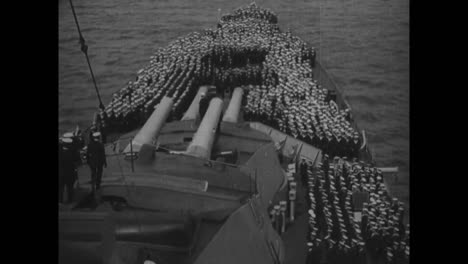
(295, 237)
(227, 202)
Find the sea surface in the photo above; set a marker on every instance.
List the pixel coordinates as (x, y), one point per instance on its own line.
(363, 43)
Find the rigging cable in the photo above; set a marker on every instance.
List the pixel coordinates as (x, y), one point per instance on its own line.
(84, 49)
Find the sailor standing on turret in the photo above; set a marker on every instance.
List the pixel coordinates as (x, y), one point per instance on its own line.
(96, 159)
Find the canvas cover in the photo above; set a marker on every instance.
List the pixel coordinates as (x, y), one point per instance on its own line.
(247, 237)
(267, 171)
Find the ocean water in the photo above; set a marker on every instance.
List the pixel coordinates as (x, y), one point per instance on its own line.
(363, 43)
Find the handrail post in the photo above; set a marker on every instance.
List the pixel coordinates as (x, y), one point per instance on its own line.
(250, 183)
(131, 153)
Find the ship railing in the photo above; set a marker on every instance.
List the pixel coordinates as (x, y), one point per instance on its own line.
(325, 80)
(364, 140)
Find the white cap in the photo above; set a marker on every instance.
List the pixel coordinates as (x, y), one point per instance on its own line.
(68, 135)
(67, 140)
(311, 212)
(96, 134)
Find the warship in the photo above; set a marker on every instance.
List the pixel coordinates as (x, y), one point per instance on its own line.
(224, 187)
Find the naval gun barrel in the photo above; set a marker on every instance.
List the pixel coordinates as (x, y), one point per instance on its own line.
(192, 111)
(153, 125)
(232, 112)
(204, 137)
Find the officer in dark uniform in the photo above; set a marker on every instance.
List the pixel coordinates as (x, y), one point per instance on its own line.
(356, 144)
(67, 163)
(333, 146)
(104, 131)
(339, 150)
(349, 145)
(96, 159)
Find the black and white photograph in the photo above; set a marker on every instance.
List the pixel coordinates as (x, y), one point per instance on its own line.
(234, 132)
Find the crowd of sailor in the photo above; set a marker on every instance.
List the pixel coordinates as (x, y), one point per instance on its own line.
(247, 49)
(334, 233)
(197, 59)
(251, 12)
(308, 117)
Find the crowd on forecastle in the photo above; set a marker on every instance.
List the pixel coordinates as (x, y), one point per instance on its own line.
(246, 49)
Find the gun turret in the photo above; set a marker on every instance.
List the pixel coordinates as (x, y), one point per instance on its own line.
(150, 130)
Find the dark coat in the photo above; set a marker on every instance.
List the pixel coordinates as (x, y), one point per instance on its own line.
(67, 163)
(334, 146)
(95, 154)
(348, 148)
(339, 147)
(356, 145)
